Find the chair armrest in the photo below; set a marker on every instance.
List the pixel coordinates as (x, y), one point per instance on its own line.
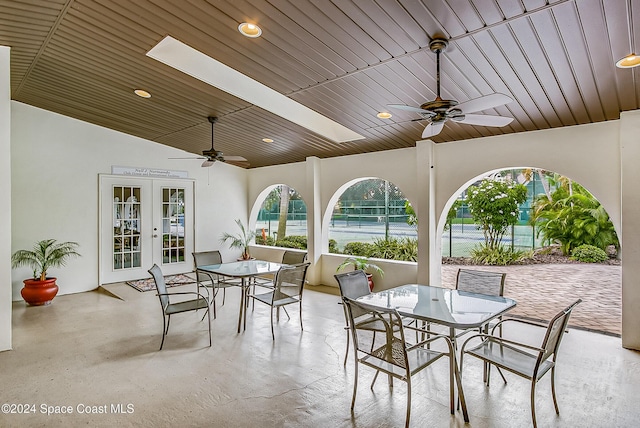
(518, 320)
(500, 340)
(209, 274)
(182, 293)
(434, 337)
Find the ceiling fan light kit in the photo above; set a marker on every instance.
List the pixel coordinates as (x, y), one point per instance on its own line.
(439, 111)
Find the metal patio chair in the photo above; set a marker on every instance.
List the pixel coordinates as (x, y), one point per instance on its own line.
(208, 280)
(168, 308)
(288, 286)
(525, 360)
(394, 356)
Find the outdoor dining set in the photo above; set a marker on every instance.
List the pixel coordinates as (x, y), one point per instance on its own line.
(398, 331)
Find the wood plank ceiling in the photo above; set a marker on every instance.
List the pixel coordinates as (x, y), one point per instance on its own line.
(346, 59)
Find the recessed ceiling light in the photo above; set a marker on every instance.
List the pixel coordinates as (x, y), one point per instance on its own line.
(142, 93)
(249, 30)
(629, 61)
(267, 140)
(384, 115)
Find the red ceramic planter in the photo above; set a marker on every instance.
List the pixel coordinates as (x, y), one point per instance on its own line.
(39, 293)
(370, 278)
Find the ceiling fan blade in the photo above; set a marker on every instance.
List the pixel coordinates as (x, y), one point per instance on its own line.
(484, 120)
(234, 159)
(410, 108)
(208, 163)
(192, 157)
(484, 103)
(432, 129)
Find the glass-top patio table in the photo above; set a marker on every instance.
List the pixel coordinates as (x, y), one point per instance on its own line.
(244, 269)
(455, 309)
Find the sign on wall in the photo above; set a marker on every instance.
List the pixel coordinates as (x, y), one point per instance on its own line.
(148, 172)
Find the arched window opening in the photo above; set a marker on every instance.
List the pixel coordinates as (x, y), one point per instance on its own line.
(373, 218)
(555, 213)
(282, 219)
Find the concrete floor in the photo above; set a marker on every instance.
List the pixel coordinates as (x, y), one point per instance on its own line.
(91, 351)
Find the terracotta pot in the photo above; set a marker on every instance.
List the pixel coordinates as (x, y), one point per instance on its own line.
(38, 293)
(370, 278)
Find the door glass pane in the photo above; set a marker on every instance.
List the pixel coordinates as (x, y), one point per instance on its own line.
(173, 250)
(126, 227)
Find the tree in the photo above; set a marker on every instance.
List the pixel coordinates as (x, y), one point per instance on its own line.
(284, 211)
(573, 217)
(494, 206)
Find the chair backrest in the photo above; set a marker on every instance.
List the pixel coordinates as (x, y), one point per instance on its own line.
(555, 331)
(353, 284)
(392, 348)
(289, 281)
(293, 257)
(479, 281)
(205, 258)
(156, 272)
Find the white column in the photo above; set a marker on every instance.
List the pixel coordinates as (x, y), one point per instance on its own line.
(425, 172)
(630, 236)
(5, 191)
(314, 221)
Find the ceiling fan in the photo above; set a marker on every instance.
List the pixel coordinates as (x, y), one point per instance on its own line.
(212, 155)
(438, 111)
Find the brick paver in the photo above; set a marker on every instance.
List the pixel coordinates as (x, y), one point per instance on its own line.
(542, 290)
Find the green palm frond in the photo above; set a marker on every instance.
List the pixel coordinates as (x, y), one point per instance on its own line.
(44, 255)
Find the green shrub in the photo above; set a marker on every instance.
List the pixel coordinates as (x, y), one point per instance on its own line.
(358, 249)
(268, 241)
(497, 256)
(589, 254)
(405, 249)
(294, 241)
(333, 246)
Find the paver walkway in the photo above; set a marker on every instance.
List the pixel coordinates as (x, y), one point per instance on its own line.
(542, 290)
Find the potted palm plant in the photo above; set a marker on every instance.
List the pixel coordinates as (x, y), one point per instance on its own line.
(40, 290)
(240, 240)
(362, 263)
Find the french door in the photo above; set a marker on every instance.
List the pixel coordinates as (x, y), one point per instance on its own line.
(142, 222)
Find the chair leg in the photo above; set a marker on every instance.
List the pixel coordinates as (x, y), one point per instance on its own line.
(165, 327)
(355, 381)
(533, 403)
(209, 319)
(461, 399)
(301, 327)
(373, 382)
(273, 336)
(346, 352)
(553, 389)
(406, 424)
(214, 305)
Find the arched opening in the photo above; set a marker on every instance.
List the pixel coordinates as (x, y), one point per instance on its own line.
(372, 217)
(558, 219)
(281, 220)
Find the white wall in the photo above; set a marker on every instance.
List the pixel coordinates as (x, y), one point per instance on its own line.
(5, 189)
(55, 162)
(431, 174)
(55, 165)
